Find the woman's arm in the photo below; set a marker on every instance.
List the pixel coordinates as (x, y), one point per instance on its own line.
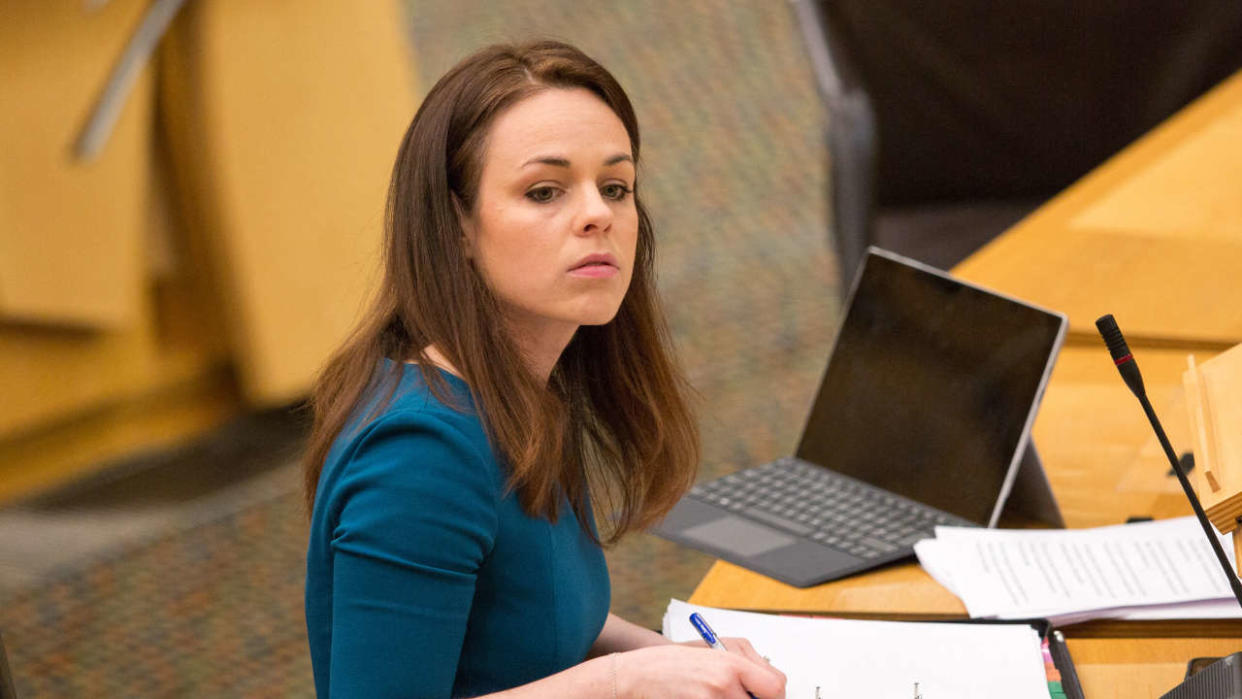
(416, 517)
(620, 635)
(662, 670)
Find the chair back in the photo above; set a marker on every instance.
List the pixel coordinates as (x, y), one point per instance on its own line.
(966, 102)
(976, 99)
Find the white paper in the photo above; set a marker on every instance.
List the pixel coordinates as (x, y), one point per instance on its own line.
(1074, 575)
(1207, 609)
(852, 658)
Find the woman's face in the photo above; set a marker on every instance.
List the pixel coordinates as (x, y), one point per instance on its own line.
(554, 226)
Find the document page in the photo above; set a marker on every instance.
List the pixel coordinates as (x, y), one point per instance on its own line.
(845, 658)
(1064, 574)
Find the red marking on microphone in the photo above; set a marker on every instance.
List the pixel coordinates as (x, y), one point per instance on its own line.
(1124, 359)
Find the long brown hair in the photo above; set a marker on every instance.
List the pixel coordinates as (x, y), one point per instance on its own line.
(613, 419)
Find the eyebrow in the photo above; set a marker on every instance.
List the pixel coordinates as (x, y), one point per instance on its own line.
(562, 162)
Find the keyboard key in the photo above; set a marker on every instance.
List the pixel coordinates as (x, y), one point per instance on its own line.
(875, 544)
(828, 508)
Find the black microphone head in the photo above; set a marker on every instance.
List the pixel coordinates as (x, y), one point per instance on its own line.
(1112, 337)
(1121, 354)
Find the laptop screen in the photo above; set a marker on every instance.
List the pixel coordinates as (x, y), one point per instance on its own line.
(931, 387)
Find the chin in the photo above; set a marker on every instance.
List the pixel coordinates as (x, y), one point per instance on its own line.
(598, 318)
(596, 322)
(593, 309)
(601, 315)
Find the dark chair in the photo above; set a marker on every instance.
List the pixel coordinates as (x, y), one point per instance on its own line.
(950, 121)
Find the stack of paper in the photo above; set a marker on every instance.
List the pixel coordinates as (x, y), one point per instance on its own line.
(849, 658)
(1152, 570)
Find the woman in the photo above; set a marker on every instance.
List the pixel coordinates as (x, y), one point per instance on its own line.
(514, 366)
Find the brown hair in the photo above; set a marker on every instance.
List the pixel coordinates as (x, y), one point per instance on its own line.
(613, 419)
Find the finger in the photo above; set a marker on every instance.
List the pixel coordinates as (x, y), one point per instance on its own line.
(760, 678)
(744, 648)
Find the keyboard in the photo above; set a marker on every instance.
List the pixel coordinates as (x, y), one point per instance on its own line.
(835, 510)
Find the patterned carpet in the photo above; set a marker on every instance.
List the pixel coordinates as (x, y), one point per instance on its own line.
(734, 175)
(213, 610)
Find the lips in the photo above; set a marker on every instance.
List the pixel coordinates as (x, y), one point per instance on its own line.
(596, 266)
(599, 259)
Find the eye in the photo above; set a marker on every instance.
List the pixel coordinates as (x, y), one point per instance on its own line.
(615, 191)
(542, 195)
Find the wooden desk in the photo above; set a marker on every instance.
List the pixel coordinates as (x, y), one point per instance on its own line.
(1104, 467)
(1153, 236)
(1131, 668)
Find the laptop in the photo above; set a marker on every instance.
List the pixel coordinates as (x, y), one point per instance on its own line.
(922, 418)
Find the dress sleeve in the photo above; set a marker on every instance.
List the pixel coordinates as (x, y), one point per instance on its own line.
(418, 515)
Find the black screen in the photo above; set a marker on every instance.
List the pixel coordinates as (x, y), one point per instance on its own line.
(930, 387)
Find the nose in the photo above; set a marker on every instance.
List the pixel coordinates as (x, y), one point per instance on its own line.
(594, 214)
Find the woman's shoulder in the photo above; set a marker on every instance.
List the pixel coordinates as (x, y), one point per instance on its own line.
(414, 474)
(402, 394)
(406, 433)
(404, 386)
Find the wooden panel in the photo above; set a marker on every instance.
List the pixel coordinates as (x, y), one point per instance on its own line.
(1150, 236)
(1164, 199)
(52, 374)
(1091, 433)
(1140, 668)
(285, 119)
(1214, 389)
(901, 591)
(61, 452)
(1158, 288)
(70, 232)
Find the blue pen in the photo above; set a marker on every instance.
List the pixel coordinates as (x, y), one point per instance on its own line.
(709, 636)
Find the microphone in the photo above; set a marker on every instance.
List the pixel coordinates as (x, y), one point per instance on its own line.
(1124, 360)
(1122, 356)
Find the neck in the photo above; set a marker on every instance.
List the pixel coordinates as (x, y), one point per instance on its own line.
(438, 359)
(541, 346)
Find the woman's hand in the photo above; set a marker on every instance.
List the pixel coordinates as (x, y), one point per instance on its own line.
(738, 645)
(694, 671)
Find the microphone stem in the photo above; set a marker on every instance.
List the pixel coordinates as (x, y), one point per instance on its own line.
(1194, 501)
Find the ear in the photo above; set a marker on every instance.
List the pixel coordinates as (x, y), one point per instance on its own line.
(466, 223)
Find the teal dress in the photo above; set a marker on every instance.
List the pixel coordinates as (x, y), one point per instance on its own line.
(424, 578)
